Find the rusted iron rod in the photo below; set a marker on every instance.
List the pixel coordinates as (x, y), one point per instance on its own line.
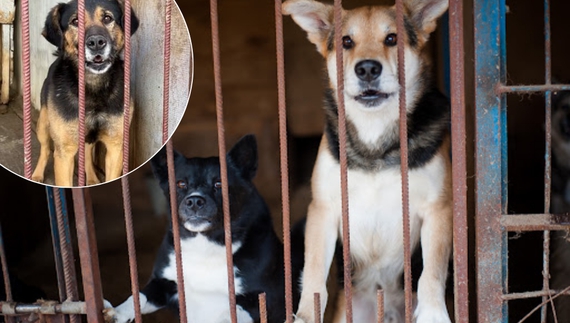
(88, 256)
(45, 307)
(66, 249)
(380, 306)
(534, 294)
(127, 89)
(343, 159)
(404, 165)
(222, 153)
(55, 244)
(317, 302)
(166, 73)
(459, 163)
(501, 88)
(535, 222)
(284, 161)
(263, 307)
(26, 88)
(176, 232)
(81, 94)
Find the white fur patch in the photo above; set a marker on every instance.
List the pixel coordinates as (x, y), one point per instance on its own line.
(126, 311)
(206, 280)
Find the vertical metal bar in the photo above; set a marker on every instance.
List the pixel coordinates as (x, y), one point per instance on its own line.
(88, 256)
(284, 161)
(547, 158)
(380, 306)
(490, 239)
(66, 249)
(166, 74)
(176, 232)
(404, 164)
(222, 153)
(343, 159)
(262, 308)
(6, 274)
(459, 164)
(131, 247)
(317, 302)
(56, 244)
(81, 94)
(27, 104)
(127, 88)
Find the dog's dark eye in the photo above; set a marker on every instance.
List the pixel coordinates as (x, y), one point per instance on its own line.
(107, 19)
(391, 40)
(75, 22)
(347, 42)
(218, 184)
(181, 184)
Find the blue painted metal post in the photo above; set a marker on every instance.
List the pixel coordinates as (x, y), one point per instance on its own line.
(490, 56)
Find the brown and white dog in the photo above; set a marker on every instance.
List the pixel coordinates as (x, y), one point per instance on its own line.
(374, 178)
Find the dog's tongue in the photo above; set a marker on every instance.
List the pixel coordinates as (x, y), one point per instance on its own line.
(98, 59)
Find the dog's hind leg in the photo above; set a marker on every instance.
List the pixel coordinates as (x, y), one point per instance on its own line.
(42, 131)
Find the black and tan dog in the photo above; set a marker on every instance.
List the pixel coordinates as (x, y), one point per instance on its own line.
(104, 86)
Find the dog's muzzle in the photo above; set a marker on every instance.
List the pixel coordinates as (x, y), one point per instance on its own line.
(368, 72)
(197, 212)
(97, 53)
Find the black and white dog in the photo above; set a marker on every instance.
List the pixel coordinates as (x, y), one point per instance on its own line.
(257, 251)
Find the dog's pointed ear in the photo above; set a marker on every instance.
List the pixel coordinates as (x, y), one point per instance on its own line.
(52, 29)
(314, 17)
(243, 155)
(159, 166)
(134, 18)
(424, 14)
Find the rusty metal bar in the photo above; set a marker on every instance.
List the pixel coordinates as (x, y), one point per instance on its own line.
(55, 243)
(131, 247)
(284, 161)
(43, 307)
(5, 273)
(534, 294)
(459, 164)
(550, 299)
(176, 232)
(66, 249)
(535, 222)
(26, 88)
(81, 94)
(317, 309)
(547, 161)
(404, 164)
(263, 307)
(501, 88)
(127, 91)
(491, 243)
(222, 154)
(343, 159)
(88, 256)
(380, 306)
(166, 73)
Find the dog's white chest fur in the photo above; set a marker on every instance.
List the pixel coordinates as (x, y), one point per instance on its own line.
(206, 280)
(375, 212)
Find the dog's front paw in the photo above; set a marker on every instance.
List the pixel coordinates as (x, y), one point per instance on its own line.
(425, 314)
(109, 312)
(299, 319)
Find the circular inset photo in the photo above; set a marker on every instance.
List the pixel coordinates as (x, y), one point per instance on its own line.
(71, 121)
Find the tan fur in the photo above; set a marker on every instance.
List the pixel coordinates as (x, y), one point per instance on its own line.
(374, 194)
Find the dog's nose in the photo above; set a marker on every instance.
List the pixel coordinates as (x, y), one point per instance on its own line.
(96, 42)
(368, 70)
(195, 202)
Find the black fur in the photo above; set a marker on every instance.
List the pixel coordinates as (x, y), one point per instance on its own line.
(104, 96)
(427, 125)
(260, 257)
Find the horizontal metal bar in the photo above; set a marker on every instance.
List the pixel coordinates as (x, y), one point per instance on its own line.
(535, 222)
(45, 307)
(535, 294)
(531, 88)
